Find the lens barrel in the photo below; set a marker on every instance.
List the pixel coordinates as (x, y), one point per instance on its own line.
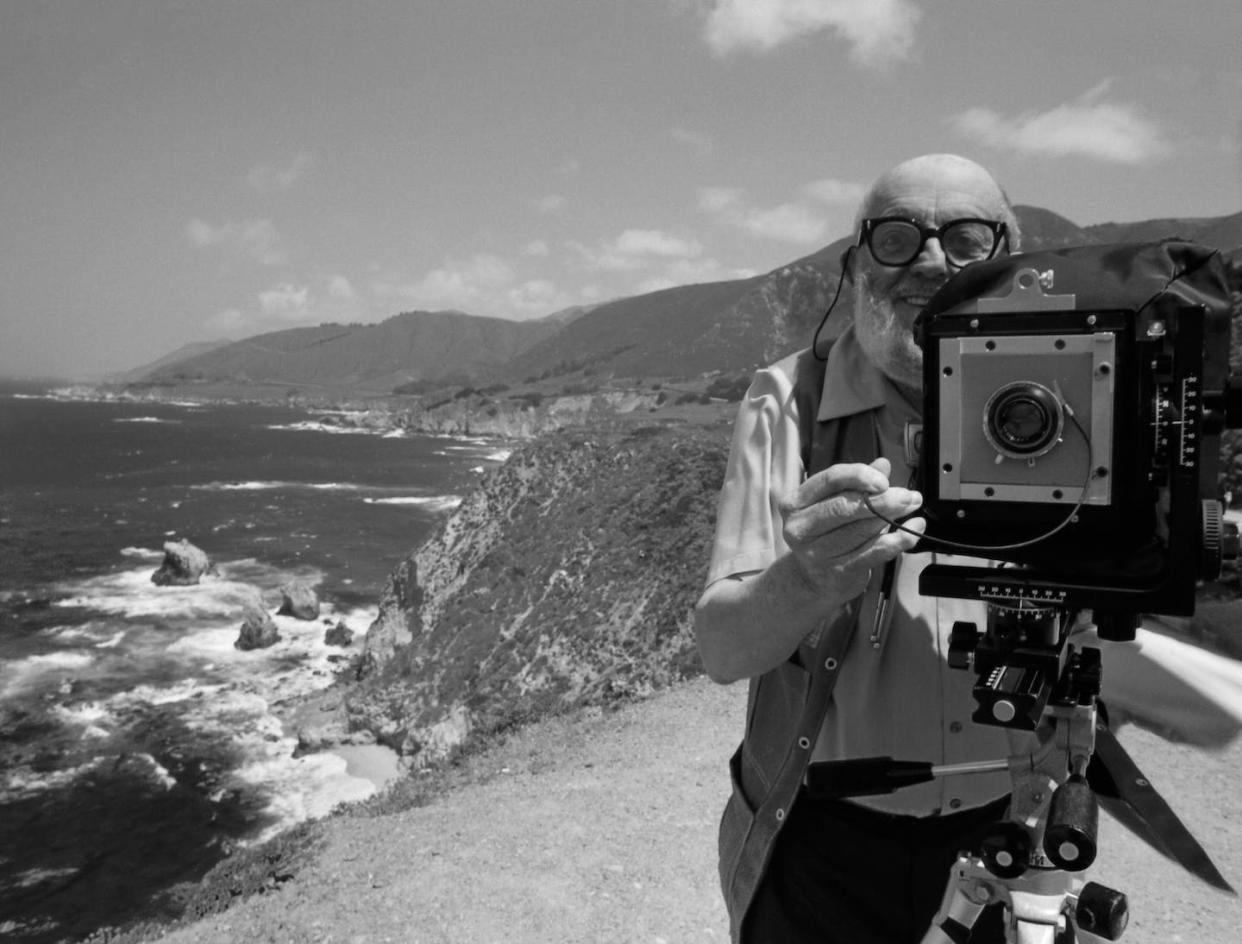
(1023, 420)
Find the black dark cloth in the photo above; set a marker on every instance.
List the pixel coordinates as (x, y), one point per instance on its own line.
(842, 874)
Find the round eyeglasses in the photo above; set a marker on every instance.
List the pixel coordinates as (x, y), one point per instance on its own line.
(897, 241)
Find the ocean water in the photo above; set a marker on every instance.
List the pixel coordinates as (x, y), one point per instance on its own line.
(137, 745)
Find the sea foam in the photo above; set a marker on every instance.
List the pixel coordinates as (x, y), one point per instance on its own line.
(432, 502)
(214, 689)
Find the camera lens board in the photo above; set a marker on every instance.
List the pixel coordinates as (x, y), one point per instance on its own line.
(1005, 408)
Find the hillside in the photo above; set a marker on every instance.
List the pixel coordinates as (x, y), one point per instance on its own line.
(692, 329)
(184, 353)
(676, 333)
(566, 579)
(414, 346)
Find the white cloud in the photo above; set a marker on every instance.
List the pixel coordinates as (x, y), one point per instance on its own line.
(878, 31)
(800, 222)
(251, 239)
(483, 285)
(267, 178)
(536, 247)
(550, 204)
(286, 302)
(227, 321)
(654, 242)
(720, 200)
(340, 287)
(636, 249)
(690, 272)
(788, 223)
(1087, 127)
(537, 297)
(693, 139)
(836, 192)
(466, 284)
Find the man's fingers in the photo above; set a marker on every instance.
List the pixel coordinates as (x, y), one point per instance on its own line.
(855, 538)
(807, 524)
(891, 544)
(843, 477)
(845, 557)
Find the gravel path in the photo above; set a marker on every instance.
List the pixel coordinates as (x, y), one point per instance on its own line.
(601, 828)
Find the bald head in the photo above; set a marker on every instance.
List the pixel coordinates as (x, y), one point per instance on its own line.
(933, 184)
(931, 191)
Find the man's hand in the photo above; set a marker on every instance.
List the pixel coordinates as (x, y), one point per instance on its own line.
(834, 538)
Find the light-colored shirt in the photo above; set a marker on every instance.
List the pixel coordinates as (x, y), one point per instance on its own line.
(900, 698)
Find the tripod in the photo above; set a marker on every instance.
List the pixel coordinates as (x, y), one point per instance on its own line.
(1033, 862)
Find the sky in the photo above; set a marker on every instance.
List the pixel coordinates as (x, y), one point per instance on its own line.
(174, 171)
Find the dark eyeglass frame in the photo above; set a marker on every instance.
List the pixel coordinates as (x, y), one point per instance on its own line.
(1000, 233)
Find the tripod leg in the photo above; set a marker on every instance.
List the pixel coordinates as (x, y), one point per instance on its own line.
(959, 909)
(1037, 917)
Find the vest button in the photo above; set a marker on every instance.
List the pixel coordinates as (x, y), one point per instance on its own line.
(804, 742)
(956, 727)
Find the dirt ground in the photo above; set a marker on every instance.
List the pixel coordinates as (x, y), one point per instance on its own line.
(601, 828)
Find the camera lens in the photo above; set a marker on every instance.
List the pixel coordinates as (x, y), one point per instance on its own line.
(1023, 420)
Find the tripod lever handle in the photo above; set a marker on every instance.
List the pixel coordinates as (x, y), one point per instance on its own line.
(872, 776)
(866, 776)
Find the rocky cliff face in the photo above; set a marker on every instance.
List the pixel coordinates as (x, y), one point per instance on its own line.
(567, 578)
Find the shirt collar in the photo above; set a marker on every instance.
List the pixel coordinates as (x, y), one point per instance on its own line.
(852, 384)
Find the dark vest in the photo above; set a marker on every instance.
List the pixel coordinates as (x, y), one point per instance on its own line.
(786, 706)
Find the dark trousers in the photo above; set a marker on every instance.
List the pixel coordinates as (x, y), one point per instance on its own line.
(841, 873)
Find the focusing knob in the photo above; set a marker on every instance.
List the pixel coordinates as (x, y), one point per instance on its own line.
(1006, 849)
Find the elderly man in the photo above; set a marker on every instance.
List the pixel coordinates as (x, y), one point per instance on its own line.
(799, 563)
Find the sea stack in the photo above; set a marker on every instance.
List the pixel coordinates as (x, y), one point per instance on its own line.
(258, 631)
(184, 564)
(299, 601)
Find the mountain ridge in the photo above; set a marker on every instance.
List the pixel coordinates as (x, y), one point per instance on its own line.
(681, 332)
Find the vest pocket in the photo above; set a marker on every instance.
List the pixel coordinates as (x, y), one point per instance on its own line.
(776, 709)
(735, 827)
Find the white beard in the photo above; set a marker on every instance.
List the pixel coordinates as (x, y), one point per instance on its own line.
(888, 343)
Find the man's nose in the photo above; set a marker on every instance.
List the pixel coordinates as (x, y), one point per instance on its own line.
(930, 260)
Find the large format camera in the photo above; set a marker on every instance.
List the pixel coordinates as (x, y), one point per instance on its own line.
(1073, 402)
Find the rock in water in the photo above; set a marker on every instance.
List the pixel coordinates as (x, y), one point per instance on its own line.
(300, 601)
(258, 631)
(339, 635)
(183, 565)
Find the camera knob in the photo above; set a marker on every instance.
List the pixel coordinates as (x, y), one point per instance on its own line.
(1006, 850)
(1102, 911)
(1070, 836)
(963, 639)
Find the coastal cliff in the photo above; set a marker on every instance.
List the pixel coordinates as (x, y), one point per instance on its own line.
(566, 579)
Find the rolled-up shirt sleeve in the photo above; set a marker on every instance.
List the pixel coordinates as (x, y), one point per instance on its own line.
(765, 463)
